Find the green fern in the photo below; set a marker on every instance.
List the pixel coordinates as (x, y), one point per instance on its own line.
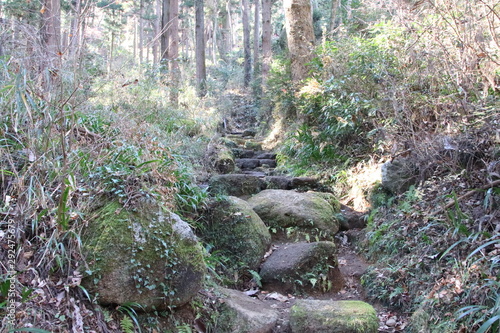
(127, 325)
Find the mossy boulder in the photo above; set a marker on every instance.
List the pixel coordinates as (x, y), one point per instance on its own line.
(254, 145)
(235, 184)
(243, 314)
(236, 230)
(224, 160)
(303, 267)
(325, 316)
(146, 255)
(307, 213)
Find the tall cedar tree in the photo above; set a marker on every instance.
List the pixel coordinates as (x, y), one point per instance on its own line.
(201, 71)
(247, 64)
(300, 36)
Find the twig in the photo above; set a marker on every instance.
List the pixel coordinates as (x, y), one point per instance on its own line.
(468, 194)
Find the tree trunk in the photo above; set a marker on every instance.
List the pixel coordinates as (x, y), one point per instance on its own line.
(247, 64)
(201, 72)
(141, 33)
(333, 18)
(225, 31)
(266, 38)
(165, 29)
(157, 32)
(256, 38)
(51, 29)
(300, 36)
(74, 34)
(173, 52)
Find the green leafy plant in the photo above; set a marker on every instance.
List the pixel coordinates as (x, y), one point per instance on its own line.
(486, 316)
(129, 309)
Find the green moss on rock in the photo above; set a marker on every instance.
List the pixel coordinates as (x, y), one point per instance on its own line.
(323, 316)
(146, 255)
(236, 230)
(289, 209)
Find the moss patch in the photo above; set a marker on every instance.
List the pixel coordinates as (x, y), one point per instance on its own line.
(320, 316)
(236, 230)
(141, 256)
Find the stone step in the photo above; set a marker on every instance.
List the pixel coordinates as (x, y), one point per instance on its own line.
(253, 181)
(247, 163)
(266, 156)
(253, 163)
(243, 153)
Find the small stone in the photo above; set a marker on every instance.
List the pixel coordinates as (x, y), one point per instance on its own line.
(391, 322)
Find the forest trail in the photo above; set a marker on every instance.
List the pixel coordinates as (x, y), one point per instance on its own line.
(252, 160)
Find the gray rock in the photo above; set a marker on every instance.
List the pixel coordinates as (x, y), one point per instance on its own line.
(236, 184)
(237, 231)
(249, 132)
(247, 163)
(305, 183)
(398, 175)
(243, 153)
(146, 255)
(303, 266)
(278, 183)
(253, 145)
(243, 314)
(308, 212)
(266, 156)
(351, 219)
(325, 316)
(270, 163)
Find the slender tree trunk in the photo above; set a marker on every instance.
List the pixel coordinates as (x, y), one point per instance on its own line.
(156, 32)
(256, 39)
(247, 64)
(134, 55)
(173, 52)
(111, 51)
(224, 34)
(333, 18)
(51, 29)
(141, 33)
(165, 33)
(201, 72)
(74, 33)
(232, 38)
(300, 36)
(266, 38)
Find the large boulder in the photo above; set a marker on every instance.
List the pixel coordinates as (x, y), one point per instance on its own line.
(398, 175)
(303, 267)
(146, 255)
(236, 230)
(243, 314)
(310, 212)
(325, 316)
(235, 184)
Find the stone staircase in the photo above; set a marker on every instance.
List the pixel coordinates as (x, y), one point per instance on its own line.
(300, 256)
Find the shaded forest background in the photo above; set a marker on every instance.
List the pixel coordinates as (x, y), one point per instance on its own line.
(123, 98)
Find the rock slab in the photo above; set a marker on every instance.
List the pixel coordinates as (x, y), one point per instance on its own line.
(325, 316)
(235, 184)
(243, 314)
(303, 266)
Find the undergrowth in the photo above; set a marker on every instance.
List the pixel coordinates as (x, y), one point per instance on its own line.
(63, 152)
